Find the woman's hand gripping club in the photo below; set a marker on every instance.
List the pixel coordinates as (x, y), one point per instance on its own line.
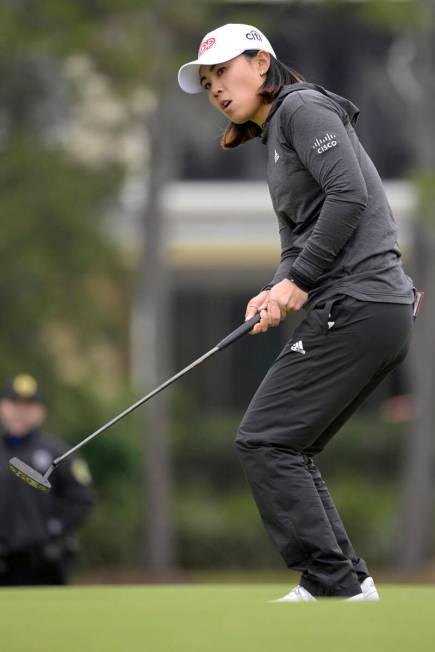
(274, 305)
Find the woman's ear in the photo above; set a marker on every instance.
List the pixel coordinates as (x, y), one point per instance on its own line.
(263, 62)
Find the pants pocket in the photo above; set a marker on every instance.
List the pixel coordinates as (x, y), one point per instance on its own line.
(324, 314)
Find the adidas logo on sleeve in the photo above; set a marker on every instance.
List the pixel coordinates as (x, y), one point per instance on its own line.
(298, 347)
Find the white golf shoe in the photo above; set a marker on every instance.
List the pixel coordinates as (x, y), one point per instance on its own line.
(299, 594)
(369, 589)
(355, 598)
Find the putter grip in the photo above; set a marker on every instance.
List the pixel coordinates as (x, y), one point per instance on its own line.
(238, 332)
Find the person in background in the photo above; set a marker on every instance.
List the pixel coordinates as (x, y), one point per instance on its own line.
(36, 530)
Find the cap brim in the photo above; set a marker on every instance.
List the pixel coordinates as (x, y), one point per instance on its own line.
(188, 75)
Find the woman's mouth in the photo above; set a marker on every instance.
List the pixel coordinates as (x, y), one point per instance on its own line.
(225, 104)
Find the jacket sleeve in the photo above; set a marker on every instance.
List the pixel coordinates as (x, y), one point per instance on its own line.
(320, 139)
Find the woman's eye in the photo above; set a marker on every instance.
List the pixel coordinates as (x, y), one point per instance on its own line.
(207, 86)
(220, 71)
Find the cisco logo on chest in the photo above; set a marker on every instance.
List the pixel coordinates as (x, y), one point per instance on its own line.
(323, 144)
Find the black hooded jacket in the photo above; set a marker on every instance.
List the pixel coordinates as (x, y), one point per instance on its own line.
(338, 235)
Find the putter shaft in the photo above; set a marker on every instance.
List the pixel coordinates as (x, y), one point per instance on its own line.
(39, 481)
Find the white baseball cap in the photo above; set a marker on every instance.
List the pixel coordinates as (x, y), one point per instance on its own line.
(222, 44)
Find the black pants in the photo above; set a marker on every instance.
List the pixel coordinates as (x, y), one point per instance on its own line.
(338, 354)
(31, 568)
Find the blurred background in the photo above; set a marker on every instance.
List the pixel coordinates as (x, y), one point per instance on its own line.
(131, 243)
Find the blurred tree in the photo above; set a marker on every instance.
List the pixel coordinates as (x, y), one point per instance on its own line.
(55, 261)
(128, 40)
(151, 330)
(63, 286)
(58, 260)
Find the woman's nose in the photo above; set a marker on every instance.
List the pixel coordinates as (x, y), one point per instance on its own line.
(216, 88)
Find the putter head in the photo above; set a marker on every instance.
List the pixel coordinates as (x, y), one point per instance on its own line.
(29, 475)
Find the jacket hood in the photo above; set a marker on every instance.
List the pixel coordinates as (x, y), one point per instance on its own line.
(348, 111)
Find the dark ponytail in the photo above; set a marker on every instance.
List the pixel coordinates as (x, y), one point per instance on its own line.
(278, 75)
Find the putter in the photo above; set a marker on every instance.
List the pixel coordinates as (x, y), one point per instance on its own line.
(40, 481)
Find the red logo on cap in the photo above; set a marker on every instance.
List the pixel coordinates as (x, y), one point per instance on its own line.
(206, 45)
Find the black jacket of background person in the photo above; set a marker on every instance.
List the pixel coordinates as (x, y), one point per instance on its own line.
(29, 519)
(338, 235)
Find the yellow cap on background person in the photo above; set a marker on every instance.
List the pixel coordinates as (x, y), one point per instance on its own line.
(23, 387)
(222, 44)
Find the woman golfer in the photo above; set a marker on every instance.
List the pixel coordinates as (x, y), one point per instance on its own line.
(339, 262)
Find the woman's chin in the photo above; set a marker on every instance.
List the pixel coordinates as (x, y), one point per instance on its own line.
(238, 120)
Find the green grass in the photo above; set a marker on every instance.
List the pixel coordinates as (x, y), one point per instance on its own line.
(211, 618)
